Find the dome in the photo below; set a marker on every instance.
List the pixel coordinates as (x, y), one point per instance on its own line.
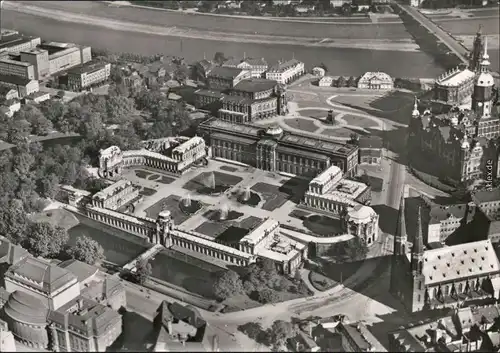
(274, 131)
(485, 79)
(360, 214)
(23, 307)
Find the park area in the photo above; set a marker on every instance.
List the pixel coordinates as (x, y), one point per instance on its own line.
(229, 231)
(144, 174)
(276, 196)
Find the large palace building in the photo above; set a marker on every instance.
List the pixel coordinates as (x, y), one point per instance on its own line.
(275, 150)
(444, 276)
(173, 154)
(459, 140)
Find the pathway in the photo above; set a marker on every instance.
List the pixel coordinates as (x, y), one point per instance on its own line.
(304, 274)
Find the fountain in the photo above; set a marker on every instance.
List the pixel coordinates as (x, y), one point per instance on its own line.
(246, 194)
(223, 212)
(209, 181)
(186, 201)
(248, 197)
(189, 206)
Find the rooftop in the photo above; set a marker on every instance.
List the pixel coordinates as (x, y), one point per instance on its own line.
(455, 78)
(256, 234)
(225, 72)
(381, 76)
(370, 142)
(345, 192)
(451, 263)
(362, 337)
(26, 308)
(7, 41)
(253, 85)
(88, 67)
(81, 270)
(11, 253)
(15, 80)
(14, 62)
(113, 189)
(332, 172)
(284, 66)
(209, 93)
(483, 196)
(41, 275)
(439, 213)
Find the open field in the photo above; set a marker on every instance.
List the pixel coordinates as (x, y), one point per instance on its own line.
(231, 24)
(170, 203)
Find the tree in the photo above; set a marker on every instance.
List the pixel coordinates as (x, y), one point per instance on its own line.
(346, 9)
(45, 240)
(351, 82)
(341, 82)
(267, 295)
(143, 271)
(355, 249)
(61, 93)
(219, 58)
(354, 138)
(87, 250)
(324, 67)
(280, 331)
(227, 284)
(181, 74)
(50, 186)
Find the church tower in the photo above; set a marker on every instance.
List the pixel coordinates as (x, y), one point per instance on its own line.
(482, 98)
(477, 51)
(398, 266)
(417, 264)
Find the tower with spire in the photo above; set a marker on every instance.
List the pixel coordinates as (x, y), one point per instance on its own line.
(417, 264)
(477, 50)
(482, 98)
(415, 113)
(399, 252)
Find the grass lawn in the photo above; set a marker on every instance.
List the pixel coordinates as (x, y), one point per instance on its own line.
(359, 121)
(166, 180)
(272, 195)
(314, 113)
(301, 124)
(170, 203)
(199, 181)
(321, 282)
(340, 132)
(142, 173)
(153, 177)
(147, 192)
(299, 214)
(227, 168)
(57, 217)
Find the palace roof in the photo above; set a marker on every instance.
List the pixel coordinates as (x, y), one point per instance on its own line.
(451, 263)
(455, 78)
(284, 66)
(293, 140)
(253, 85)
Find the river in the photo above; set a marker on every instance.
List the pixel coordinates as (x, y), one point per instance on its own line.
(339, 61)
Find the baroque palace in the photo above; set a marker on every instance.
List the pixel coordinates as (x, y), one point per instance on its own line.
(460, 140)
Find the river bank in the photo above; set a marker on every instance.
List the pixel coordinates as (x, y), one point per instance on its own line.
(340, 61)
(172, 31)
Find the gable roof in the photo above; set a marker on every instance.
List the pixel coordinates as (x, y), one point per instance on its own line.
(451, 263)
(15, 80)
(80, 269)
(39, 274)
(225, 72)
(252, 85)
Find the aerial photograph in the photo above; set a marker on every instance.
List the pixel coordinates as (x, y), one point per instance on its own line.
(250, 176)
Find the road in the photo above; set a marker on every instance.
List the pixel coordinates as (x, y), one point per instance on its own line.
(457, 48)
